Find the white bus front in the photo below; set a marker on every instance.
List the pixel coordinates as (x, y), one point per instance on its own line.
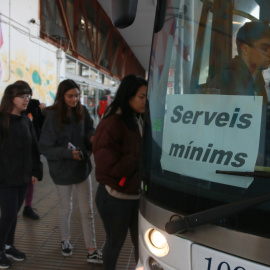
(206, 157)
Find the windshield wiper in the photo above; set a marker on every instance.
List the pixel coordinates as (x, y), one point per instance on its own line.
(186, 223)
(250, 174)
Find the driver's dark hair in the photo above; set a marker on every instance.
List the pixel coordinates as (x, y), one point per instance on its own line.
(127, 89)
(251, 32)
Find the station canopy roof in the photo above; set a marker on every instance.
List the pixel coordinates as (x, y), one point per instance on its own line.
(138, 35)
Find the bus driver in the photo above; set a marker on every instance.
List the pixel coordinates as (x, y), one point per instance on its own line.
(243, 74)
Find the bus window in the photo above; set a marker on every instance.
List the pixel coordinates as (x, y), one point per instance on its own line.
(189, 135)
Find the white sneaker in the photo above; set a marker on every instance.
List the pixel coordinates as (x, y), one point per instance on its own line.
(66, 248)
(95, 257)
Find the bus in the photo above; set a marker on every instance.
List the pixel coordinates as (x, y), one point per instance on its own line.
(205, 180)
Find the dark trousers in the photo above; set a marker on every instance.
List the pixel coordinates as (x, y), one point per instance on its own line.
(11, 200)
(117, 216)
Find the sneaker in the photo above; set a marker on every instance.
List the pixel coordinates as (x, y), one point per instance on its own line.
(29, 212)
(5, 263)
(15, 254)
(66, 248)
(95, 257)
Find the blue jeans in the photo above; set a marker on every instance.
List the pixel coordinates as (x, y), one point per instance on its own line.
(117, 216)
(11, 200)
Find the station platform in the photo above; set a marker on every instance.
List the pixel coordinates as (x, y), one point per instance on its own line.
(41, 241)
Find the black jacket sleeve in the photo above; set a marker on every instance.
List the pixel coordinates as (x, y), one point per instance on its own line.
(37, 164)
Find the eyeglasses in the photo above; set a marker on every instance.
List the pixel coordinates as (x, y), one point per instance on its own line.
(24, 97)
(259, 50)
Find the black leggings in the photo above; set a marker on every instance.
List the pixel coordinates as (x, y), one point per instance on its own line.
(118, 216)
(11, 200)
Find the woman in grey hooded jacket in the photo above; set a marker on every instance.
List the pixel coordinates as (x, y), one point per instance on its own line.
(66, 143)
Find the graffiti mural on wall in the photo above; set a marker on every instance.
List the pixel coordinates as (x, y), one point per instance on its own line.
(28, 62)
(40, 76)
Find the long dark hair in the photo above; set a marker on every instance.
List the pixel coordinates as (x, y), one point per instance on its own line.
(127, 89)
(7, 105)
(60, 106)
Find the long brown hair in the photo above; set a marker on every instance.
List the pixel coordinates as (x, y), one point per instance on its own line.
(60, 106)
(7, 105)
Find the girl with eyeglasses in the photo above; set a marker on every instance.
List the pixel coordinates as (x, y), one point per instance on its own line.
(34, 112)
(19, 165)
(66, 143)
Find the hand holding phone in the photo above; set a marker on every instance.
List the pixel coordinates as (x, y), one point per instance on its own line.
(76, 152)
(76, 155)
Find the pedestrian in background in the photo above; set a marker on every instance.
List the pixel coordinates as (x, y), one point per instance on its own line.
(33, 111)
(19, 165)
(116, 149)
(104, 103)
(65, 142)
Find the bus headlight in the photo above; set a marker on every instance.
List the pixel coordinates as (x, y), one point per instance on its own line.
(157, 239)
(156, 242)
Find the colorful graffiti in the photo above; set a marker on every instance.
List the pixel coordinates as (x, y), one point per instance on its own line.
(24, 60)
(40, 76)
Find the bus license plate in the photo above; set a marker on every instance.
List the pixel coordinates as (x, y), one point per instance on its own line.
(208, 259)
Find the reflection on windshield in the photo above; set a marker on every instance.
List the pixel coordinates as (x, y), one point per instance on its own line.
(208, 109)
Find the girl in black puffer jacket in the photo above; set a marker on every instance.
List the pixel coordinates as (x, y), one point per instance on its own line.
(19, 165)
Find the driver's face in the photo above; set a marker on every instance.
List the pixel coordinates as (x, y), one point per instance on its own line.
(258, 55)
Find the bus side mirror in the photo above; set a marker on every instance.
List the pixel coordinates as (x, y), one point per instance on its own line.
(123, 12)
(160, 15)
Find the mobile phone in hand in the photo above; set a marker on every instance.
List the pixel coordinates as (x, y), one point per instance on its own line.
(71, 146)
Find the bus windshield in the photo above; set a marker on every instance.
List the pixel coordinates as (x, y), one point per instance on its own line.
(207, 122)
